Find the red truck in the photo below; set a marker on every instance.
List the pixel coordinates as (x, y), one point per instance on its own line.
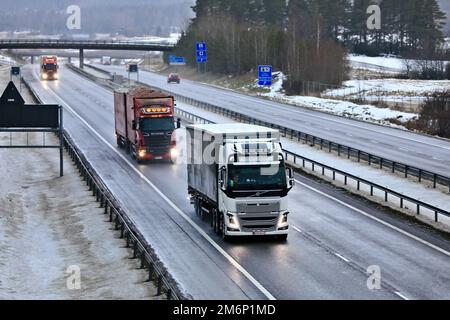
(49, 68)
(145, 126)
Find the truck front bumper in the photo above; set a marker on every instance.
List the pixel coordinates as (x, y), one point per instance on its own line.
(257, 233)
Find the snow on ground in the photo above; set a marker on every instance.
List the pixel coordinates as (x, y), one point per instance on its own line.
(6, 60)
(48, 224)
(392, 181)
(172, 39)
(394, 87)
(384, 63)
(338, 107)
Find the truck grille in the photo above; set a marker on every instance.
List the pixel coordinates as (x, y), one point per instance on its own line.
(258, 222)
(258, 207)
(158, 143)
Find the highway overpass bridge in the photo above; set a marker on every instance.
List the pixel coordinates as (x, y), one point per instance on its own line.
(82, 45)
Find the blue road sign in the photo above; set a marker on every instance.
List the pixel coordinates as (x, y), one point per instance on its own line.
(174, 60)
(265, 75)
(202, 56)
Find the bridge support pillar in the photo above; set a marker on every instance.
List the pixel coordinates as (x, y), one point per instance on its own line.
(81, 58)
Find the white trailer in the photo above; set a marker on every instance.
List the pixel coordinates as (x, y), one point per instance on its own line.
(237, 175)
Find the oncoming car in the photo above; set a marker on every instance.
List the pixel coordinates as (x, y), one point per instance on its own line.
(173, 77)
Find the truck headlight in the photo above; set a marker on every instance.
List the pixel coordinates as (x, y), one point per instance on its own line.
(173, 152)
(44, 76)
(142, 153)
(283, 220)
(233, 222)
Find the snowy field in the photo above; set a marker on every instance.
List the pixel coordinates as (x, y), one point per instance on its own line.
(338, 107)
(377, 64)
(389, 89)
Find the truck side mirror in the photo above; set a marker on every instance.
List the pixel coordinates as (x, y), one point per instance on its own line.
(222, 178)
(178, 123)
(133, 125)
(291, 179)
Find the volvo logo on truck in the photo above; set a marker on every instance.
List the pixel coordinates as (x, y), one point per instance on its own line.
(237, 175)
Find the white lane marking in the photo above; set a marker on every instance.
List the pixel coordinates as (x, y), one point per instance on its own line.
(409, 235)
(341, 257)
(374, 142)
(296, 229)
(404, 149)
(335, 253)
(401, 295)
(236, 264)
(242, 96)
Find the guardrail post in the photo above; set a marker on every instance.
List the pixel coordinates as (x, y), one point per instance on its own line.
(358, 185)
(420, 175)
(386, 196)
(418, 208)
(313, 166)
(339, 150)
(345, 180)
(381, 163)
(370, 159)
(406, 171)
(371, 191)
(436, 216)
(348, 152)
(434, 180)
(359, 156)
(393, 166)
(401, 203)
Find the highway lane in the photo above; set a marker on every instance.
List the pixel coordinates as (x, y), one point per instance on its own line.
(328, 251)
(413, 149)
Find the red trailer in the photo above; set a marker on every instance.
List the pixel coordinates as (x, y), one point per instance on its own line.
(145, 125)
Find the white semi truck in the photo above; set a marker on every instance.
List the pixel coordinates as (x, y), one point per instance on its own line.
(237, 175)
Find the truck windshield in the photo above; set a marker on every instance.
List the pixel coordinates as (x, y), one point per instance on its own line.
(157, 124)
(50, 67)
(256, 177)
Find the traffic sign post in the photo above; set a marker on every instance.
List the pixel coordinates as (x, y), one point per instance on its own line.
(132, 68)
(201, 54)
(15, 71)
(265, 75)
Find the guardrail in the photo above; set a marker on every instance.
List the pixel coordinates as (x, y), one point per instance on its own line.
(300, 161)
(112, 209)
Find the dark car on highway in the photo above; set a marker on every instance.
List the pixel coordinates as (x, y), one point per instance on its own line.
(174, 77)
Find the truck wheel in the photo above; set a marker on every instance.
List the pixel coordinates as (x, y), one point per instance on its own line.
(119, 142)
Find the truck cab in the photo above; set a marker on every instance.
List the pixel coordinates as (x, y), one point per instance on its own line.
(49, 68)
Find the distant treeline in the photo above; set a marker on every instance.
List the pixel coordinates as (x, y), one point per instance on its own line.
(308, 39)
